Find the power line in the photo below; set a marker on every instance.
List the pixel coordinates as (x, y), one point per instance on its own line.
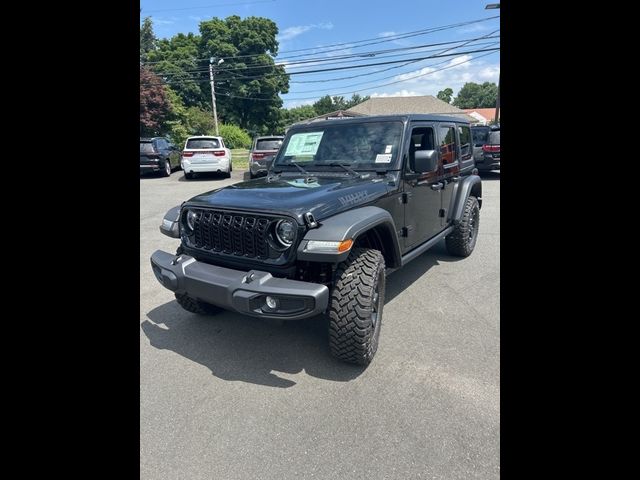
(368, 88)
(335, 60)
(353, 44)
(355, 91)
(392, 61)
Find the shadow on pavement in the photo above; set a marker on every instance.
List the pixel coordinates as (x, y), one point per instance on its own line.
(241, 348)
(200, 177)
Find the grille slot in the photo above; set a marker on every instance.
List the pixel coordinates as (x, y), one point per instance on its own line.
(232, 233)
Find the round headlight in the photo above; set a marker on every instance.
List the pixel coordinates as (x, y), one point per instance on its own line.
(285, 232)
(191, 219)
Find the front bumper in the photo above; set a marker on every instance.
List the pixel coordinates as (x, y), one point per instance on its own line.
(243, 292)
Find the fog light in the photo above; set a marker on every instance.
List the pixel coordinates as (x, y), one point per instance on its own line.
(272, 303)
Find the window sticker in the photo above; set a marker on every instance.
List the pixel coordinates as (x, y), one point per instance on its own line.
(304, 144)
(383, 158)
(388, 149)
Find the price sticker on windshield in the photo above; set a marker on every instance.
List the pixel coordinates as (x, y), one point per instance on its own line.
(304, 144)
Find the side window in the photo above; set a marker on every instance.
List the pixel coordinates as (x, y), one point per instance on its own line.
(222, 143)
(447, 145)
(162, 144)
(421, 139)
(465, 142)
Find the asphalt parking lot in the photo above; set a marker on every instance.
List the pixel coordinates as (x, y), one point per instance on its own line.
(232, 397)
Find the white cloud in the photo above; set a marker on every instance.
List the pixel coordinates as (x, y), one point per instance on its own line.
(400, 93)
(400, 41)
(292, 32)
(193, 17)
(462, 62)
(490, 74)
(159, 21)
(477, 71)
(478, 27)
(299, 103)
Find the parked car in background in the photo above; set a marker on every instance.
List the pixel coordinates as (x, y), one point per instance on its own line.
(486, 147)
(158, 154)
(262, 153)
(205, 154)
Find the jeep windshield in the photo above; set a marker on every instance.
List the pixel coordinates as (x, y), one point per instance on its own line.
(361, 146)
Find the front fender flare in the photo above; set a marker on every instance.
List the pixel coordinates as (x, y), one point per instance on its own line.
(349, 225)
(170, 223)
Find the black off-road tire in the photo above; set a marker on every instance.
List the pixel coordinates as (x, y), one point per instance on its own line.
(194, 305)
(462, 240)
(358, 294)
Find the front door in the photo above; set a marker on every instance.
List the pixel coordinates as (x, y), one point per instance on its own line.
(422, 190)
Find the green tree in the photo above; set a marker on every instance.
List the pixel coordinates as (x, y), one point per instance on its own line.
(355, 100)
(234, 136)
(147, 39)
(154, 103)
(176, 62)
(445, 95)
(329, 104)
(248, 86)
(475, 95)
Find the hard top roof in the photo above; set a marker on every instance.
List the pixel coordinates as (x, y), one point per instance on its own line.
(415, 117)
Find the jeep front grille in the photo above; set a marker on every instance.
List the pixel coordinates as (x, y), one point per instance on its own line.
(232, 233)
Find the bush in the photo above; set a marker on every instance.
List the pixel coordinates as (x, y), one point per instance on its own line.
(234, 136)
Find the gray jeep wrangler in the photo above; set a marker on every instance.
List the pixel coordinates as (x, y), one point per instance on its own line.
(345, 202)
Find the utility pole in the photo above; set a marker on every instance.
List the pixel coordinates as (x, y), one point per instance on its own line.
(494, 6)
(213, 91)
(498, 101)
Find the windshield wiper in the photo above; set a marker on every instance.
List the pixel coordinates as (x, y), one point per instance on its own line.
(346, 167)
(291, 162)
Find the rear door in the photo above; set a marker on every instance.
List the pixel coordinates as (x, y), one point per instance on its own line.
(450, 154)
(265, 149)
(148, 154)
(204, 150)
(467, 161)
(480, 136)
(422, 191)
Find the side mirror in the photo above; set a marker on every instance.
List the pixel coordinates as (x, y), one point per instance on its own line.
(426, 160)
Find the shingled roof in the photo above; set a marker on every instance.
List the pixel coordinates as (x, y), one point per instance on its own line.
(404, 105)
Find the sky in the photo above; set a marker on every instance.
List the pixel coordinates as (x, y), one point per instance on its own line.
(315, 24)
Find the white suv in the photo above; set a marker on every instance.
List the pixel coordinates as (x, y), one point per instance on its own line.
(205, 154)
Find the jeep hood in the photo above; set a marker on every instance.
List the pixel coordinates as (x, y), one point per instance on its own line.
(323, 196)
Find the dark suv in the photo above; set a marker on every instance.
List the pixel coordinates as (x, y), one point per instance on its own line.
(344, 204)
(486, 147)
(158, 154)
(262, 153)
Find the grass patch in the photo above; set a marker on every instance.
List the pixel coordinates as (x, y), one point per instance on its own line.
(240, 158)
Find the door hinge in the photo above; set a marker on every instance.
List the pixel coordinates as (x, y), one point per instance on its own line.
(441, 213)
(406, 231)
(405, 197)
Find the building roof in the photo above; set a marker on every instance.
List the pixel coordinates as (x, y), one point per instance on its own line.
(426, 104)
(488, 113)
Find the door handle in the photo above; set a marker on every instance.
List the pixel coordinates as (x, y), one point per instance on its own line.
(437, 186)
(455, 179)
